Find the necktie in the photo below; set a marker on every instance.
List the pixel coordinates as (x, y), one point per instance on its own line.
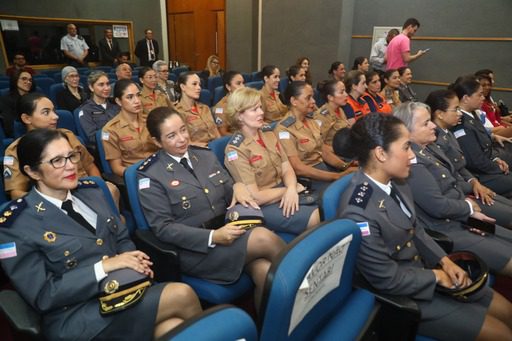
(394, 196)
(185, 164)
(151, 50)
(68, 207)
(110, 44)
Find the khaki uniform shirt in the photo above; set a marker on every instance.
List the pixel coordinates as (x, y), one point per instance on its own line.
(219, 111)
(272, 106)
(253, 162)
(151, 100)
(330, 121)
(200, 122)
(122, 141)
(15, 180)
(302, 139)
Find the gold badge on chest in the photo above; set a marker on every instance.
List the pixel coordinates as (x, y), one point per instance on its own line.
(50, 237)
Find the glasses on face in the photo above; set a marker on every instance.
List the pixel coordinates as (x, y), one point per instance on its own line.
(60, 161)
(166, 71)
(453, 110)
(26, 79)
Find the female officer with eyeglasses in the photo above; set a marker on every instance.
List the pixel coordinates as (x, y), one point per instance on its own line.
(62, 239)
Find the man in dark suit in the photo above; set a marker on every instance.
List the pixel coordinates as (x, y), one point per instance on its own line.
(109, 48)
(147, 49)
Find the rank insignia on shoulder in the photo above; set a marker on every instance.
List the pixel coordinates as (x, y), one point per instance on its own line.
(310, 114)
(218, 121)
(237, 139)
(361, 195)
(13, 209)
(148, 162)
(324, 112)
(87, 184)
(288, 121)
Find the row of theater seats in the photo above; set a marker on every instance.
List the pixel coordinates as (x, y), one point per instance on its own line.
(296, 306)
(50, 83)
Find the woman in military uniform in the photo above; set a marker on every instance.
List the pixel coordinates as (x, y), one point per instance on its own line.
(151, 97)
(232, 80)
(271, 104)
(184, 193)
(483, 158)
(375, 101)
(255, 158)
(37, 111)
(98, 109)
(125, 137)
(197, 115)
(396, 256)
(56, 261)
(356, 107)
(445, 113)
(440, 202)
(301, 139)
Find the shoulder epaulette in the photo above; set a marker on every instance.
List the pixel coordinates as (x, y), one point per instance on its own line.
(148, 162)
(268, 127)
(288, 121)
(237, 139)
(87, 184)
(361, 195)
(310, 114)
(11, 211)
(324, 111)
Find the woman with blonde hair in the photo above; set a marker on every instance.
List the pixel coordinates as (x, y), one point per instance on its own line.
(254, 156)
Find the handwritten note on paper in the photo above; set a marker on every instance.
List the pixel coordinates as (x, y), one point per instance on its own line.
(322, 277)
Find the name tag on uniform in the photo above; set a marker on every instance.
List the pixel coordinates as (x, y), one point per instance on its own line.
(144, 183)
(105, 136)
(301, 141)
(81, 113)
(219, 110)
(318, 122)
(459, 133)
(284, 135)
(255, 158)
(127, 138)
(191, 118)
(364, 227)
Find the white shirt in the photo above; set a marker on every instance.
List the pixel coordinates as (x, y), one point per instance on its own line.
(387, 188)
(378, 53)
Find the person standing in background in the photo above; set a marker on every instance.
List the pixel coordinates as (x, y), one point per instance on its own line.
(378, 55)
(109, 48)
(147, 49)
(74, 47)
(398, 53)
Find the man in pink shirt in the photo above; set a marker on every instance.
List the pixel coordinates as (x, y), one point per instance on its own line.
(399, 48)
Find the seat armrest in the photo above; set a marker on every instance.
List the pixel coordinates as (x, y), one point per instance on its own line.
(398, 317)
(20, 315)
(165, 256)
(441, 239)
